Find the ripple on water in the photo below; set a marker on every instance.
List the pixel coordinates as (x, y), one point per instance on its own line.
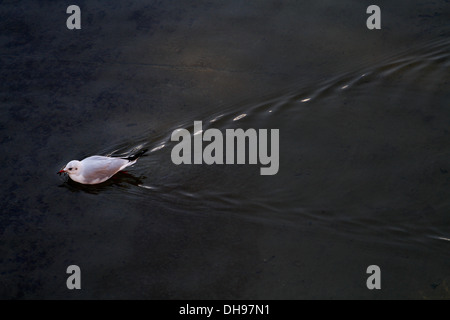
(361, 154)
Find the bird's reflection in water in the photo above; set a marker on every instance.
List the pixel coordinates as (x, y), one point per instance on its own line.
(121, 179)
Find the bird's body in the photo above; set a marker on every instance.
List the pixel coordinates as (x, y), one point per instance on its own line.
(97, 169)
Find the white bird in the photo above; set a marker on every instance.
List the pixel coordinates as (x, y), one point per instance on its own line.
(98, 169)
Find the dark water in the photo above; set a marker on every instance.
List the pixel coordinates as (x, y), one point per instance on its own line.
(364, 173)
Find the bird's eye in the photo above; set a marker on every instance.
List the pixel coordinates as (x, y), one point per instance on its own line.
(70, 169)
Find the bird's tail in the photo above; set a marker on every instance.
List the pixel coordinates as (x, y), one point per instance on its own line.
(137, 155)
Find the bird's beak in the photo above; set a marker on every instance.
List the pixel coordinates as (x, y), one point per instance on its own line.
(61, 171)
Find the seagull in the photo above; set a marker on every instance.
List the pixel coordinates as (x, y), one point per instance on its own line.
(98, 169)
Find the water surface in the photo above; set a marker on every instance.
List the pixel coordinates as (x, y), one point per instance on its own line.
(364, 172)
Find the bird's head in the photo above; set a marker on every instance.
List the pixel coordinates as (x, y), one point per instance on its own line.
(72, 168)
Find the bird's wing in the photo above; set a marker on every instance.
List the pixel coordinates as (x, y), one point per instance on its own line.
(98, 167)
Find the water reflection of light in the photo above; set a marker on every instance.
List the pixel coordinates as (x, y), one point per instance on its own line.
(440, 238)
(198, 132)
(157, 148)
(146, 187)
(240, 117)
(216, 118)
(305, 100)
(345, 87)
